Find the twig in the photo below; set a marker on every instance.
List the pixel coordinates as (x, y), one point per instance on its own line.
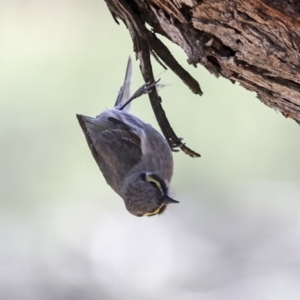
(144, 43)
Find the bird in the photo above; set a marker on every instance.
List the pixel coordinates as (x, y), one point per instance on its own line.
(134, 158)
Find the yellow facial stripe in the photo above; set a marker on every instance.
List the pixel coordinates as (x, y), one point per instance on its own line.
(154, 212)
(151, 179)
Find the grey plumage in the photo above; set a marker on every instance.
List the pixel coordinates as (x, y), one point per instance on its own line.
(135, 159)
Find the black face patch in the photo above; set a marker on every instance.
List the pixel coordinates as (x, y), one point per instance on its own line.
(161, 181)
(156, 178)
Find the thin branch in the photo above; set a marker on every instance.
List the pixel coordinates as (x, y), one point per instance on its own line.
(146, 42)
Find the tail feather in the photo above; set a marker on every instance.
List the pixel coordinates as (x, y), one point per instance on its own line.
(124, 92)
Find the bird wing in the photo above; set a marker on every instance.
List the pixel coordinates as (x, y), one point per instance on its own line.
(115, 147)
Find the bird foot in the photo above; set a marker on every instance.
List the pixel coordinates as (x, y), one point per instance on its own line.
(144, 89)
(174, 145)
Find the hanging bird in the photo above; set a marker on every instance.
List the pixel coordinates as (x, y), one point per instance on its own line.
(135, 159)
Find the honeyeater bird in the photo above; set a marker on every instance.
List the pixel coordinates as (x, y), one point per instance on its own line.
(135, 159)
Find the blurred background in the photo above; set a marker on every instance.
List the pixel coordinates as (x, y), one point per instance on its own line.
(64, 234)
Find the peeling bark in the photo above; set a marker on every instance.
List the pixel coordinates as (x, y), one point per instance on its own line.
(253, 42)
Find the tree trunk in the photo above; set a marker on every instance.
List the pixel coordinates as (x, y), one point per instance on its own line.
(253, 42)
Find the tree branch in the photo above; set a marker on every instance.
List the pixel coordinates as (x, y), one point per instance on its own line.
(254, 42)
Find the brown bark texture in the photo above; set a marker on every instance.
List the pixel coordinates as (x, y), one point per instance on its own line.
(253, 42)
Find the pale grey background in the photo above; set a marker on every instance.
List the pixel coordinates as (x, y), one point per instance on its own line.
(65, 235)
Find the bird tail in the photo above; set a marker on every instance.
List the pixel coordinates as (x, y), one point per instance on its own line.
(124, 92)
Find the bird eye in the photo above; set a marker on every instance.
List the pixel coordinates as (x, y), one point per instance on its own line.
(143, 176)
(153, 180)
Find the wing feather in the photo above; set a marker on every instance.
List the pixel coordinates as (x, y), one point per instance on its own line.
(116, 150)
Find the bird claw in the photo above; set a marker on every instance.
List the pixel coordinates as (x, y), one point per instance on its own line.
(174, 145)
(144, 89)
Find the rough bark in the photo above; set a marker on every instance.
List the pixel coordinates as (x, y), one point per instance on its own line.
(253, 42)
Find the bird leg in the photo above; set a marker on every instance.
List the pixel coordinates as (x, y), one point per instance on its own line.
(144, 89)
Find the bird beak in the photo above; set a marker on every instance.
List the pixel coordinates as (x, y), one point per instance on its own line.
(167, 200)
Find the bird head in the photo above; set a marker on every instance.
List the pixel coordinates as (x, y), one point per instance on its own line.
(146, 194)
